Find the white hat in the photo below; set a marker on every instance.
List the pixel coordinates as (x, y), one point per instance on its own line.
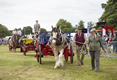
(93, 30)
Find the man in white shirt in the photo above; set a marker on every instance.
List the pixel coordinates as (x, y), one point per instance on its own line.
(19, 33)
(14, 32)
(79, 40)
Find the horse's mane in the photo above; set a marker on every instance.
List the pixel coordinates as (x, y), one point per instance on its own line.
(9, 38)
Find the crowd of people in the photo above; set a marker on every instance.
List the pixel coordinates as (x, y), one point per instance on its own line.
(3, 42)
(94, 44)
(107, 42)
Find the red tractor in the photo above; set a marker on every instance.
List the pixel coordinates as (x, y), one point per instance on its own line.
(110, 32)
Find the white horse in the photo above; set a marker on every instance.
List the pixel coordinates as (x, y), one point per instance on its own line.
(58, 42)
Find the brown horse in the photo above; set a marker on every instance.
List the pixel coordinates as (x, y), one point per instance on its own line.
(13, 43)
(58, 42)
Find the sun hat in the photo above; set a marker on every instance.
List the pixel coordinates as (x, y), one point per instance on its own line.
(79, 28)
(93, 30)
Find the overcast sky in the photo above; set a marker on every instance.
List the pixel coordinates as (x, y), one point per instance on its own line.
(21, 13)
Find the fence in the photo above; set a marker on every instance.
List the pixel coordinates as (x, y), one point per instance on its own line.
(111, 48)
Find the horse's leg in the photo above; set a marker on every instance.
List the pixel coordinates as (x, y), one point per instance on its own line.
(14, 48)
(56, 57)
(11, 46)
(60, 61)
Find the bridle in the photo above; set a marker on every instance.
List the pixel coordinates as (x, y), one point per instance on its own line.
(59, 34)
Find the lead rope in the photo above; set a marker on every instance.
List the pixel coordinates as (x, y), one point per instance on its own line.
(82, 45)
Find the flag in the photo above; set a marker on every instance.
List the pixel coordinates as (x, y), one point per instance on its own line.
(88, 31)
(103, 33)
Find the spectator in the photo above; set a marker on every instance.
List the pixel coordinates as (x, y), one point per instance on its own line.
(115, 43)
(106, 40)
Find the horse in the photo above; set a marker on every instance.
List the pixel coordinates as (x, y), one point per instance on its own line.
(57, 42)
(23, 45)
(13, 43)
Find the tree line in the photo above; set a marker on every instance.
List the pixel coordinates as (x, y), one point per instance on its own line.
(109, 15)
(64, 25)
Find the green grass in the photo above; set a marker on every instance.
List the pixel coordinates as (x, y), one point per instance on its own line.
(16, 66)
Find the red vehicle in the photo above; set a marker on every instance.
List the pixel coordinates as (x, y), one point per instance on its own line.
(111, 32)
(46, 50)
(27, 45)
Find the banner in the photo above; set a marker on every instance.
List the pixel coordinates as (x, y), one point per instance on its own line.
(103, 33)
(88, 32)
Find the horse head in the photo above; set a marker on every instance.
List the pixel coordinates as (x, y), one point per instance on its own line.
(56, 34)
(14, 39)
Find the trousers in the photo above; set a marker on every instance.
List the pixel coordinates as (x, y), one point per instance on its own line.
(95, 55)
(78, 50)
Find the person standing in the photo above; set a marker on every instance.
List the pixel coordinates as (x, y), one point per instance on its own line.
(36, 29)
(94, 41)
(115, 43)
(79, 42)
(106, 43)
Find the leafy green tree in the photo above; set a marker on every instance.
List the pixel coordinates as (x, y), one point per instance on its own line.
(64, 25)
(95, 26)
(42, 29)
(80, 24)
(4, 31)
(110, 13)
(90, 24)
(74, 29)
(27, 30)
(103, 5)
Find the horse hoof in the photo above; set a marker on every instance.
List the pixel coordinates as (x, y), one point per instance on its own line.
(55, 67)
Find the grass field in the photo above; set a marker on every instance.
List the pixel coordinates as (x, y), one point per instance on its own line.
(16, 66)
